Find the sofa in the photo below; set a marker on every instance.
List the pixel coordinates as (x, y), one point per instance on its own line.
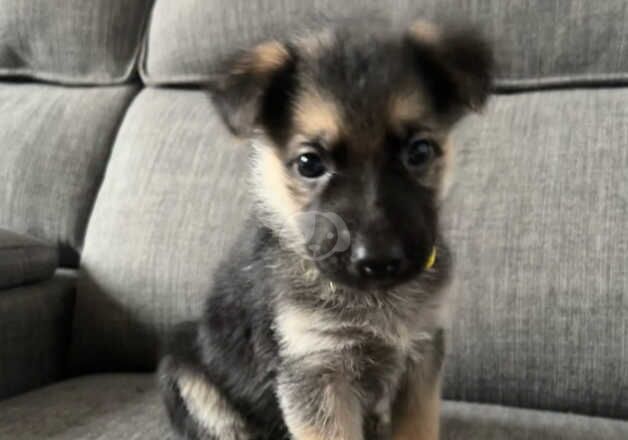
(120, 190)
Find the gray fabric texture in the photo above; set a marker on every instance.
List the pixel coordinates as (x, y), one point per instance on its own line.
(55, 142)
(171, 202)
(538, 218)
(25, 259)
(127, 406)
(538, 42)
(35, 324)
(71, 41)
(468, 421)
(107, 407)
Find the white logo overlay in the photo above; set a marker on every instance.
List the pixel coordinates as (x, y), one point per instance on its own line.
(337, 237)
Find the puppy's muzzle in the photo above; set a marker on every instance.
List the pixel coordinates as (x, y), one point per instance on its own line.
(376, 259)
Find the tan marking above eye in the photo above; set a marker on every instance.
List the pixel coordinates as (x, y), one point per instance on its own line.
(425, 31)
(406, 107)
(316, 115)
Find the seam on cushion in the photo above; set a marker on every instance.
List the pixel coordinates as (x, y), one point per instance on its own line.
(81, 226)
(114, 139)
(64, 80)
(33, 246)
(143, 56)
(27, 79)
(562, 81)
(509, 84)
(542, 408)
(139, 47)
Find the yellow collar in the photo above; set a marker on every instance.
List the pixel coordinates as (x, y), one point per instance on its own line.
(432, 259)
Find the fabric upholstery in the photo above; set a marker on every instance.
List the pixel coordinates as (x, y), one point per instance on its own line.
(24, 259)
(35, 324)
(71, 41)
(469, 421)
(55, 142)
(538, 219)
(538, 42)
(171, 202)
(107, 407)
(127, 406)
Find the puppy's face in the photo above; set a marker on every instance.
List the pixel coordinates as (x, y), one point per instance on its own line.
(352, 146)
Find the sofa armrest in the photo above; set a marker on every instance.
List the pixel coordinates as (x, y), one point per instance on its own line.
(25, 259)
(35, 327)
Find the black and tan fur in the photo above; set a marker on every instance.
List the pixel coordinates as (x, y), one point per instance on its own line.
(350, 346)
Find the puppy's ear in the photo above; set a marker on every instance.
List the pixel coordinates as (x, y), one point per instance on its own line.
(251, 86)
(456, 65)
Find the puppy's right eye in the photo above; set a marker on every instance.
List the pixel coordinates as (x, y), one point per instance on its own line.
(310, 165)
(418, 153)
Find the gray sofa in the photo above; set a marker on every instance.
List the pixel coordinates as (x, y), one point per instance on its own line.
(120, 190)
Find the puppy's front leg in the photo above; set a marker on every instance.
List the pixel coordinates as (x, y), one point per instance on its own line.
(319, 406)
(416, 414)
(419, 418)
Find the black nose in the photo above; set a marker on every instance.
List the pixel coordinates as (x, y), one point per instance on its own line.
(379, 269)
(377, 262)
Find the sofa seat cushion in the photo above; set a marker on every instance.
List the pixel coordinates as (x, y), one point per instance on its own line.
(25, 259)
(128, 406)
(538, 42)
(472, 421)
(71, 41)
(103, 407)
(55, 142)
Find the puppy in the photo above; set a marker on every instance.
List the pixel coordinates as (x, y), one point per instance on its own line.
(326, 321)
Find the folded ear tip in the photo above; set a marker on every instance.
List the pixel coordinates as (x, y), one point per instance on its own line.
(269, 56)
(236, 90)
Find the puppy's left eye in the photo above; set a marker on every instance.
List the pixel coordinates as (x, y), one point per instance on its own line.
(310, 165)
(418, 153)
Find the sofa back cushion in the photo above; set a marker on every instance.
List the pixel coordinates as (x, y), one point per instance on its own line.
(55, 142)
(538, 218)
(538, 42)
(173, 198)
(71, 41)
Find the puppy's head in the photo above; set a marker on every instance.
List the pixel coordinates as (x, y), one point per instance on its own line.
(351, 138)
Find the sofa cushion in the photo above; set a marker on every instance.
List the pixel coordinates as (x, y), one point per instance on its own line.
(471, 421)
(55, 143)
(538, 219)
(106, 407)
(71, 41)
(35, 324)
(538, 42)
(172, 199)
(127, 406)
(24, 259)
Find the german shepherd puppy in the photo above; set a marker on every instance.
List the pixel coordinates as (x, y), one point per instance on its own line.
(326, 321)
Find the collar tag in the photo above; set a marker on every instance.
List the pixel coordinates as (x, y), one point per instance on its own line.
(432, 259)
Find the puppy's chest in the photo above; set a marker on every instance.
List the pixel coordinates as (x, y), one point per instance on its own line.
(373, 342)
